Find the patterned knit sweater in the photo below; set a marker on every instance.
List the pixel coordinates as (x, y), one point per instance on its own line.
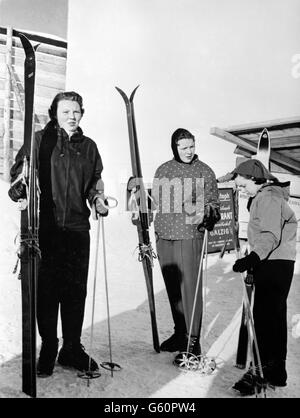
(181, 192)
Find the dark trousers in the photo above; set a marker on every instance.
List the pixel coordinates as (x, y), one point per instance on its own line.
(273, 280)
(179, 261)
(62, 281)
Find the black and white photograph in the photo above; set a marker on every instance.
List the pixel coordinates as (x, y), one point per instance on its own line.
(150, 201)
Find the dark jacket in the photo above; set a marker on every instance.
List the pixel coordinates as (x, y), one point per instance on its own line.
(68, 171)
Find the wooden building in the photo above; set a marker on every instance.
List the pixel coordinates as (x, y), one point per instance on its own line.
(284, 141)
(51, 57)
(284, 156)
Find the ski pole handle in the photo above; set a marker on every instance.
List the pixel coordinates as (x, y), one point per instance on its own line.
(106, 204)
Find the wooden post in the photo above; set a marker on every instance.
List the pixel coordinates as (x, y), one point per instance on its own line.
(6, 137)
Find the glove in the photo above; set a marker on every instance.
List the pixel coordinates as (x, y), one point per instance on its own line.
(17, 191)
(211, 217)
(100, 208)
(245, 263)
(249, 279)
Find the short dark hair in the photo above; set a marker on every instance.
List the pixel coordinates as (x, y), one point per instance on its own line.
(181, 133)
(66, 95)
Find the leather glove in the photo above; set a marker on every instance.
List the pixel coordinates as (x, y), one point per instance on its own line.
(17, 191)
(246, 263)
(211, 217)
(100, 208)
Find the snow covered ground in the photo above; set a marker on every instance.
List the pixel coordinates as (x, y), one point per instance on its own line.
(144, 373)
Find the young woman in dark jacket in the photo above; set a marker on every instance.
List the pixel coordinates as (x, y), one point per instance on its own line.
(69, 173)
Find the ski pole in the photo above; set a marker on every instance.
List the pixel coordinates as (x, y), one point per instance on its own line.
(251, 329)
(197, 288)
(247, 305)
(200, 363)
(204, 287)
(89, 374)
(207, 364)
(107, 365)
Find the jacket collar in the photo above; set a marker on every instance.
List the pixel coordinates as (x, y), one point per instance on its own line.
(76, 137)
(195, 158)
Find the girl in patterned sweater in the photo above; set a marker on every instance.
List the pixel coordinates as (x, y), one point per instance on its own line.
(186, 193)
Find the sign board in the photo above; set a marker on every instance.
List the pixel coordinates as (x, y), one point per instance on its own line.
(224, 231)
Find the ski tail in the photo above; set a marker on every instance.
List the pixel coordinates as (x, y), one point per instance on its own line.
(145, 248)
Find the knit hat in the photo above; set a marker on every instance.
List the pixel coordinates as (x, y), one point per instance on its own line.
(253, 168)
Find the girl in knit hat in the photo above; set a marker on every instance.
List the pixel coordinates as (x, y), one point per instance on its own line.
(272, 239)
(186, 192)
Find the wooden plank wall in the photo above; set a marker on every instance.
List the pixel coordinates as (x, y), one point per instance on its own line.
(51, 57)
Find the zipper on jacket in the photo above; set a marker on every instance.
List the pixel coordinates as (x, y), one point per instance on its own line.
(67, 183)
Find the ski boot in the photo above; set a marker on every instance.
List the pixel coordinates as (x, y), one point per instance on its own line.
(189, 359)
(73, 355)
(177, 342)
(250, 383)
(46, 361)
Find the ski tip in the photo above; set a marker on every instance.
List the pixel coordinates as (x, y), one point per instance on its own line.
(264, 140)
(263, 148)
(22, 36)
(26, 43)
(36, 47)
(125, 98)
(133, 93)
(265, 133)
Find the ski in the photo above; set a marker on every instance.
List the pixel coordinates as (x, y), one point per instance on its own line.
(242, 349)
(264, 148)
(263, 155)
(145, 249)
(29, 248)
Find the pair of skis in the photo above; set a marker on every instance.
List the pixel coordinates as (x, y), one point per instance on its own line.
(263, 155)
(146, 253)
(29, 244)
(248, 337)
